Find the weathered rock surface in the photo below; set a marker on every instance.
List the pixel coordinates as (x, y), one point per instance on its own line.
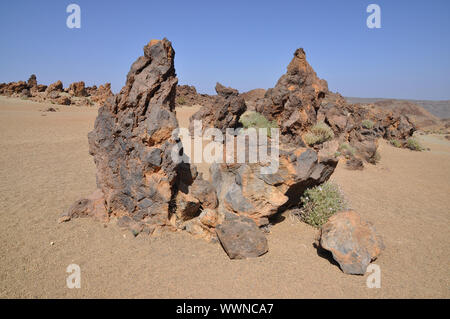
(241, 238)
(353, 242)
(223, 113)
(76, 94)
(187, 95)
(243, 188)
(78, 89)
(101, 94)
(132, 140)
(300, 99)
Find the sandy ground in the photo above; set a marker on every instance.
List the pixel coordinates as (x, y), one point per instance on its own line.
(45, 167)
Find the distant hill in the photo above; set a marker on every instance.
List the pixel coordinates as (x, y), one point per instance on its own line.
(441, 109)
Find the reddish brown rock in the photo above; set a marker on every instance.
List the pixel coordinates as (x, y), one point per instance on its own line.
(132, 140)
(353, 242)
(244, 190)
(54, 87)
(300, 99)
(241, 238)
(78, 89)
(32, 82)
(187, 96)
(223, 113)
(101, 94)
(92, 206)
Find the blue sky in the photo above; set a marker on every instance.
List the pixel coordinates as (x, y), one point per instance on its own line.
(243, 44)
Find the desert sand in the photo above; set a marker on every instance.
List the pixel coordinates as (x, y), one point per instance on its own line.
(45, 166)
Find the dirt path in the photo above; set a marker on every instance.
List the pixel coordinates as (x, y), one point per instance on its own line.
(45, 166)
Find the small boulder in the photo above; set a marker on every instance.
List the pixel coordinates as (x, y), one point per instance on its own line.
(241, 238)
(353, 242)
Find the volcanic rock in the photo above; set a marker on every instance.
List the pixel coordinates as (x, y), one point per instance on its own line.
(101, 94)
(353, 242)
(77, 89)
(223, 113)
(54, 87)
(133, 140)
(32, 81)
(241, 238)
(246, 190)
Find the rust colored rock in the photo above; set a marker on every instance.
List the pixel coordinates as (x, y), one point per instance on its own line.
(101, 94)
(92, 206)
(353, 242)
(63, 100)
(78, 89)
(241, 238)
(300, 99)
(187, 96)
(294, 99)
(242, 188)
(54, 87)
(32, 81)
(223, 113)
(132, 139)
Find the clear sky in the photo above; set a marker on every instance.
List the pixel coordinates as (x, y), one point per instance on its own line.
(243, 44)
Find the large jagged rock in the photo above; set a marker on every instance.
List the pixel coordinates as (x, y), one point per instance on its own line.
(132, 140)
(353, 242)
(300, 99)
(294, 99)
(223, 113)
(246, 190)
(32, 82)
(78, 89)
(54, 87)
(101, 94)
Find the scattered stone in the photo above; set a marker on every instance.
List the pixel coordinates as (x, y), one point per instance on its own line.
(241, 238)
(353, 242)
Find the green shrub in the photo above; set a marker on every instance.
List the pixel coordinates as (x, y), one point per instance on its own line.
(395, 143)
(257, 120)
(320, 203)
(414, 144)
(347, 150)
(318, 134)
(368, 124)
(181, 100)
(376, 158)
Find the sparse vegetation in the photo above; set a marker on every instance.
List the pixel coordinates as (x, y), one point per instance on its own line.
(368, 124)
(376, 158)
(318, 134)
(414, 144)
(257, 120)
(347, 150)
(181, 101)
(395, 143)
(320, 203)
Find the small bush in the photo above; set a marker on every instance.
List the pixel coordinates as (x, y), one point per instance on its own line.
(414, 144)
(368, 124)
(257, 120)
(320, 203)
(395, 143)
(376, 158)
(318, 134)
(181, 100)
(347, 150)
